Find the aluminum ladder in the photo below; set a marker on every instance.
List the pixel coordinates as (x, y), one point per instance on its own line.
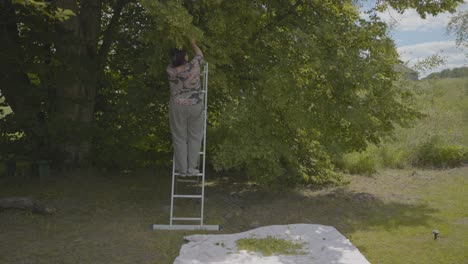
(177, 177)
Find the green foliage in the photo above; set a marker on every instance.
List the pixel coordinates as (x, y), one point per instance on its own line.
(269, 246)
(172, 21)
(273, 162)
(458, 25)
(429, 63)
(438, 152)
(131, 120)
(292, 84)
(32, 70)
(300, 88)
(422, 7)
(360, 163)
(4, 108)
(131, 126)
(58, 13)
(393, 156)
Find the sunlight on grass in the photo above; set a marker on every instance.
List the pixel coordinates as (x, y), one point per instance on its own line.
(415, 243)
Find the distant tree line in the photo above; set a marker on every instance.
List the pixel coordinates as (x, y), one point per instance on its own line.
(449, 73)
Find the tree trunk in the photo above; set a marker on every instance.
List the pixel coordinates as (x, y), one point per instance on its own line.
(71, 86)
(76, 90)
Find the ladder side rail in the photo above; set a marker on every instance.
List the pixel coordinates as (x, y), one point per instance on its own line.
(172, 190)
(204, 141)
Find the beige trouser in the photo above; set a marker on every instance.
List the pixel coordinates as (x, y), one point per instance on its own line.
(186, 123)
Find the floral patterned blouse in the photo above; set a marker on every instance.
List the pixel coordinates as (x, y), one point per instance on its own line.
(185, 85)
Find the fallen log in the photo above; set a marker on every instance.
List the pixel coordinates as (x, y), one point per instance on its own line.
(25, 203)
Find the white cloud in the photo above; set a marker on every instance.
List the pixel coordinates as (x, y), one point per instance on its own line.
(454, 56)
(411, 21)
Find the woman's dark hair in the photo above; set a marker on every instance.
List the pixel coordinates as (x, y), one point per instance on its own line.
(178, 57)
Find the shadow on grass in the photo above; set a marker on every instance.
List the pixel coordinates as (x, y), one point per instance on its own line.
(346, 210)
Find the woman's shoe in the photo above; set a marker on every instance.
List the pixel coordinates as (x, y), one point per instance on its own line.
(193, 171)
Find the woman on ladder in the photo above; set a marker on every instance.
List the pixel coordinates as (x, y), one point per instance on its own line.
(186, 109)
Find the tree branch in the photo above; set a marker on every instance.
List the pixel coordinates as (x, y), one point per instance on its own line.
(278, 20)
(110, 31)
(15, 83)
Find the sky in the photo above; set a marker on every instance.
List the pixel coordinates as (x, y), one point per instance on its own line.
(418, 38)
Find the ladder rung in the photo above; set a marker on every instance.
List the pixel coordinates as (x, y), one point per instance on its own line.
(188, 175)
(186, 196)
(188, 227)
(187, 218)
(191, 181)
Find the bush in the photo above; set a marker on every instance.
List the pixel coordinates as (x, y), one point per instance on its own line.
(277, 164)
(360, 163)
(439, 153)
(393, 157)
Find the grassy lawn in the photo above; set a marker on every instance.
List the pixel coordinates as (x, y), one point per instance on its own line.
(105, 217)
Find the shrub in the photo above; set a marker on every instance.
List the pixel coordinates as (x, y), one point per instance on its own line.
(277, 164)
(439, 153)
(393, 157)
(360, 163)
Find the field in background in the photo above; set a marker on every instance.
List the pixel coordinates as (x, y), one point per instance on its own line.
(445, 105)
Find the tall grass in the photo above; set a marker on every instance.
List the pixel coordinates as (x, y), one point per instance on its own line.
(440, 139)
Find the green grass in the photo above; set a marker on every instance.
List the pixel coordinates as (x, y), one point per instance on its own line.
(269, 246)
(104, 217)
(445, 102)
(360, 164)
(414, 244)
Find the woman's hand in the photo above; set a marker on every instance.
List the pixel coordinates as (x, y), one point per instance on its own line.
(195, 47)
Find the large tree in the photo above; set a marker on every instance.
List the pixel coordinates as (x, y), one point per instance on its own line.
(51, 66)
(293, 83)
